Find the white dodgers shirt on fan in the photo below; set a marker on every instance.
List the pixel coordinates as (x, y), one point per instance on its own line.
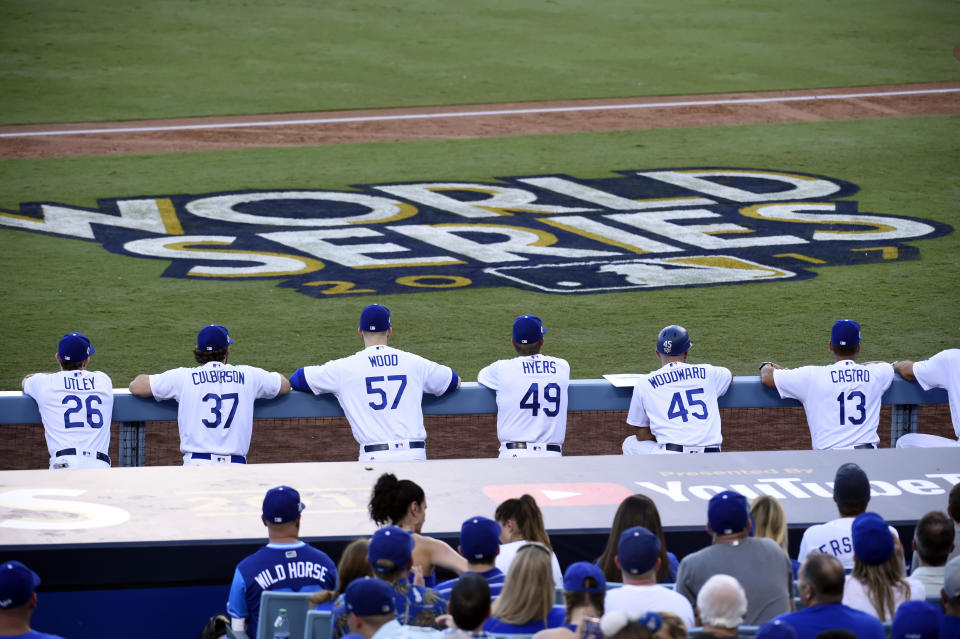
(678, 402)
(215, 414)
(531, 397)
(943, 371)
(841, 401)
(76, 408)
(381, 390)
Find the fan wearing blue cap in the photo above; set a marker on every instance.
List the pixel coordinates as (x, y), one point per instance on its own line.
(820, 586)
(531, 394)
(584, 589)
(285, 563)
(479, 545)
(380, 390)
(842, 400)
(370, 608)
(758, 563)
(674, 408)
(76, 406)
(638, 558)
(215, 400)
(18, 600)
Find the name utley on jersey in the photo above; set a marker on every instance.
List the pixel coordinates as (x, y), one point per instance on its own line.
(215, 414)
(842, 401)
(76, 408)
(531, 397)
(678, 402)
(380, 390)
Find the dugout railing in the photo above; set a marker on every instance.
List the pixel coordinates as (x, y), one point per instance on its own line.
(133, 414)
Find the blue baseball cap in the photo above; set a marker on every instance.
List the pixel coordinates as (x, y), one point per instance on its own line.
(479, 538)
(17, 584)
(673, 340)
(282, 504)
(213, 338)
(872, 539)
(917, 620)
(845, 332)
(369, 596)
(776, 629)
(638, 550)
(728, 512)
(528, 329)
(393, 544)
(375, 318)
(574, 580)
(74, 347)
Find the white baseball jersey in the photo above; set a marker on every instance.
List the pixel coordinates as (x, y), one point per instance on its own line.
(531, 398)
(380, 390)
(215, 414)
(678, 402)
(943, 371)
(76, 408)
(831, 538)
(842, 401)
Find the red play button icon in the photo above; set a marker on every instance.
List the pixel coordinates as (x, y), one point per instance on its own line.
(564, 494)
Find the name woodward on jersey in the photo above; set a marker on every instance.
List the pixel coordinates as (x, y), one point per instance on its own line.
(691, 372)
(552, 233)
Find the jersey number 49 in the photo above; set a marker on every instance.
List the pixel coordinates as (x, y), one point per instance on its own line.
(551, 396)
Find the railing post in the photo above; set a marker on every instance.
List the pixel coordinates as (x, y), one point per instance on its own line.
(903, 420)
(132, 440)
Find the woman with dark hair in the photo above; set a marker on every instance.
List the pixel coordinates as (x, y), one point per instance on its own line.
(520, 522)
(637, 510)
(402, 503)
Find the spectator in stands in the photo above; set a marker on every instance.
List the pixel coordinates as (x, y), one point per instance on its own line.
(637, 510)
(584, 587)
(370, 609)
(638, 558)
(401, 502)
(917, 620)
(672, 628)
(851, 493)
(353, 565)
(940, 371)
(617, 625)
(932, 543)
(390, 555)
(721, 606)
(950, 598)
(953, 510)
(480, 545)
(469, 607)
(759, 564)
(268, 568)
(820, 585)
(525, 604)
(877, 585)
(521, 522)
(770, 520)
(18, 600)
(776, 629)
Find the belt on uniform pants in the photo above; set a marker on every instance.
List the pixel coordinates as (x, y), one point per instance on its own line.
(865, 446)
(677, 448)
(372, 448)
(73, 451)
(553, 448)
(234, 459)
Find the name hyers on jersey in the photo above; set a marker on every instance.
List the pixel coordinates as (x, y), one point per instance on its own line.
(678, 375)
(216, 376)
(78, 383)
(837, 547)
(847, 375)
(383, 360)
(538, 367)
(291, 570)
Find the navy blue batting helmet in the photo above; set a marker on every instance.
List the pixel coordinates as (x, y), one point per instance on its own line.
(673, 340)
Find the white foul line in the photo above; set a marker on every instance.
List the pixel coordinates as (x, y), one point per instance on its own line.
(468, 114)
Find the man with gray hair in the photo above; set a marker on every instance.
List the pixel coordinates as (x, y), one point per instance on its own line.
(721, 606)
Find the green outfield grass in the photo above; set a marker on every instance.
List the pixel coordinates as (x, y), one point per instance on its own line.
(140, 321)
(122, 59)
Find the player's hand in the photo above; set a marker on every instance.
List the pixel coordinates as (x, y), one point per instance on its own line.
(446, 621)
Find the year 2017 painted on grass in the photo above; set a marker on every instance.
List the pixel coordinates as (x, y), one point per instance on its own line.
(553, 233)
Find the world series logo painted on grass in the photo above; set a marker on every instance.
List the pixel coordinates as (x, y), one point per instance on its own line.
(548, 233)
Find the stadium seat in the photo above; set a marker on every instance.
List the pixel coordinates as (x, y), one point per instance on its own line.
(319, 625)
(296, 603)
